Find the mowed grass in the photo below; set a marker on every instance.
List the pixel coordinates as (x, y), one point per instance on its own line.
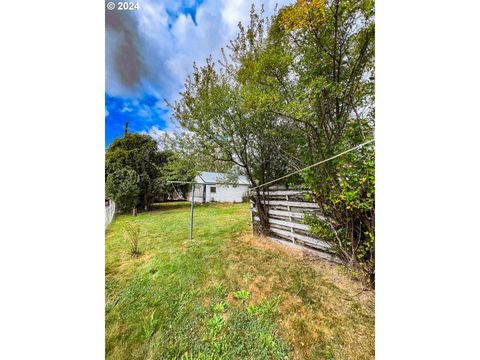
(226, 294)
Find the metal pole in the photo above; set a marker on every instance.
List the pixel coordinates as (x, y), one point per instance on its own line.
(191, 210)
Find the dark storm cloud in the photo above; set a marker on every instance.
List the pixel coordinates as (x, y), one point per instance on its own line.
(127, 61)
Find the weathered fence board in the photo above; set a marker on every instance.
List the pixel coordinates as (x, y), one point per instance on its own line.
(320, 254)
(286, 223)
(306, 239)
(297, 215)
(291, 203)
(287, 192)
(286, 212)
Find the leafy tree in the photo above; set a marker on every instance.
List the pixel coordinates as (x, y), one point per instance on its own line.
(290, 91)
(140, 154)
(122, 187)
(216, 107)
(329, 97)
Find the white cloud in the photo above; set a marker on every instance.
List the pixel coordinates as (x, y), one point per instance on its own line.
(169, 45)
(126, 109)
(165, 47)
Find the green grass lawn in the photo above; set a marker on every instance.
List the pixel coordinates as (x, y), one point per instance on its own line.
(226, 294)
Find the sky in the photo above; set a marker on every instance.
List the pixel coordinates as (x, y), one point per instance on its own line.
(150, 51)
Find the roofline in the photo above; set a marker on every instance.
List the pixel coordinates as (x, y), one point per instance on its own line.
(221, 183)
(201, 177)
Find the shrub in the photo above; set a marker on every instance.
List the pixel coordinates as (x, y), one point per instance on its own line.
(132, 234)
(122, 187)
(347, 201)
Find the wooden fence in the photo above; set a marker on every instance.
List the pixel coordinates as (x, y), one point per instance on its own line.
(286, 211)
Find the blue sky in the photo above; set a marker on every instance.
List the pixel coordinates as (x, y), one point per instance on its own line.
(150, 51)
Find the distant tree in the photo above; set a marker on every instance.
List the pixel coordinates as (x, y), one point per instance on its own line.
(138, 153)
(122, 187)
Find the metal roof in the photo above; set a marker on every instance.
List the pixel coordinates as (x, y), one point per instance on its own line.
(215, 178)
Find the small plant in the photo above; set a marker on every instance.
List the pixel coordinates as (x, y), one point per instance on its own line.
(132, 234)
(219, 289)
(149, 326)
(267, 340)
(215, 324)
(220, 307)
(241, 295)
(199, 356)
(265, 309)
(253, 309)
(356, 306)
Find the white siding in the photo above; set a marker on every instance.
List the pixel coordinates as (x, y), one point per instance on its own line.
(198, 193)
(224, 193)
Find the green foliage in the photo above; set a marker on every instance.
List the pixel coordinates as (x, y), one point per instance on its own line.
(264, 309)
(320, 228)
(316, 73)
(149, 326)
(333, 96)
(122, 186)
(215, 324)
(241, 295)
(199, 356)
(140, 154)
(220, 307)
(295, 89)
(228, 112)
(348, 200)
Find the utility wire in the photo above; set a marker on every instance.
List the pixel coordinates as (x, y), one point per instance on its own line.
(313, 165)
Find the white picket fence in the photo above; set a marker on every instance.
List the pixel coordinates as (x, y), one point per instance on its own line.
(109, 212)
(286, 211)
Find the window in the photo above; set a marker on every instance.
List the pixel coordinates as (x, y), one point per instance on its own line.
(213, 189)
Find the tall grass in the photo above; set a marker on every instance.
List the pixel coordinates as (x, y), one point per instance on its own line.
(132, 234)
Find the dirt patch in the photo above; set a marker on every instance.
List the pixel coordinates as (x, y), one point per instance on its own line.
(263, 243)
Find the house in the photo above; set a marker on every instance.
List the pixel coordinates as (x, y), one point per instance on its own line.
(212, 186)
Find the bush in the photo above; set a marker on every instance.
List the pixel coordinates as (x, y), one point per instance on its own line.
(132, 234)
(122, 187)
(347, 201)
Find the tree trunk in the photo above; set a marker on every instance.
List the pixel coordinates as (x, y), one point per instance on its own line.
(262, 213)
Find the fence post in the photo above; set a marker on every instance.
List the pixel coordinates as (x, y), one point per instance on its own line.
(191, 210)
(251, 216)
